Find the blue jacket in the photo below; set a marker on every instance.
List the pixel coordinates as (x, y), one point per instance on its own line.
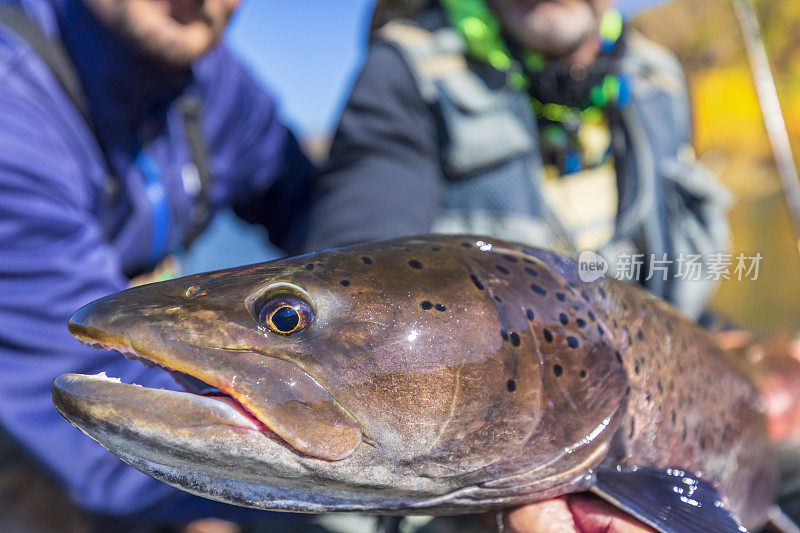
(61, 246)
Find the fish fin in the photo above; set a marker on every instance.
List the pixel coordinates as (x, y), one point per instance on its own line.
(780, 521)
(669, 500)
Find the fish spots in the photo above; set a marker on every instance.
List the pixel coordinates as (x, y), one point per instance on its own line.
(600, 331)
(504, 334)
(531, 272)
(529, 314)
(436, 249)
(561, 297)
(345, 283)
(509, 258)
(502, 269)
(427, 305)
(466, 244)
(511, 385)
(538, 290)
(416, 265)
(583, 373)
(572, 342)
(591, 316)
(640, 335)
(497, 299)
(602, 293)
(514, 338)
(558, 370)
(548, 335)
(632, 429)
(580, 322)
(562, 317)
(476, 282)
(310, 266)
(618, 356)
(366, 260)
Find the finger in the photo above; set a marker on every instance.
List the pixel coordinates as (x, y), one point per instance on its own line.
(548, 516)
(593, 515)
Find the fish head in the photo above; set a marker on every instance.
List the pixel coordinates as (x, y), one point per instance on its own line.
(388, 376)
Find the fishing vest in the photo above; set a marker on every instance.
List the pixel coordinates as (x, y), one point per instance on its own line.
(668, 203)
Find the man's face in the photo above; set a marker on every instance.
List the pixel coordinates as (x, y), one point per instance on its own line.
(174, 32)
(555, 28)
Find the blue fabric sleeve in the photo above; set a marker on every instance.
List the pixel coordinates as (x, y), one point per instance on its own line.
(270, 180)
(384, 177)
(53, 259)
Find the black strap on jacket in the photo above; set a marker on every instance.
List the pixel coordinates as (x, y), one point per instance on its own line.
(54, 55)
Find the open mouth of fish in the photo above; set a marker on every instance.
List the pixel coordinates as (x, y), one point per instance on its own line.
(226, 391)
(196, 390)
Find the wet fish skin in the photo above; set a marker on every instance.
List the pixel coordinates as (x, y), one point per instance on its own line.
(477, 373)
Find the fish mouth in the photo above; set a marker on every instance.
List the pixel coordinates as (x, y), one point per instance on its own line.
(230, 389)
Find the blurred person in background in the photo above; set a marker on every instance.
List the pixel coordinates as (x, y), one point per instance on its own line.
(124, 125)
(545, 122)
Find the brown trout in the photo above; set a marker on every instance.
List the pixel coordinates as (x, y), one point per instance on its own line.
(427, 375)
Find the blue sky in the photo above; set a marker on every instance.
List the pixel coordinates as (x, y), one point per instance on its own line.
(307, 52)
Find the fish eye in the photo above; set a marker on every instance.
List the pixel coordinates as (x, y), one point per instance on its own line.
(285, 315)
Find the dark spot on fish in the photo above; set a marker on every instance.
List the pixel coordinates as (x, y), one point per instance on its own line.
(672, 416)
(511, 385)
(614, 322)
(538, 290)
(602, 293)
(514, 338)
(440, 307)
(562, 317)
(407, 249)
(557, 370)
(502, 269)
(640, 335)
(636, 368)
(600, 330)
(618, 356)
(345, 283)
(628, 390)
(531, 271)
(591, 316)
(575, 307)
(580, 322)
(529, 261)
(504, 334)
(548, 336)
(310, 266)
(366, 260)
(466, 244)
(647, 397)
(436, 249)
(572, 342)
(476, 281)
(585, 296)
(415, 264)
(660, 387)
(582, 373)
(510, 258)
(684, 432)
(426, 305)
(561, 296)
(630, 432)
(497, 298)
(529, 314)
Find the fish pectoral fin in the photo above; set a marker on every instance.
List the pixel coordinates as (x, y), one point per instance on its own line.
(669, 500)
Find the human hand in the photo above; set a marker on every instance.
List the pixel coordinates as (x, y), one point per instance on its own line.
(572, 513)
